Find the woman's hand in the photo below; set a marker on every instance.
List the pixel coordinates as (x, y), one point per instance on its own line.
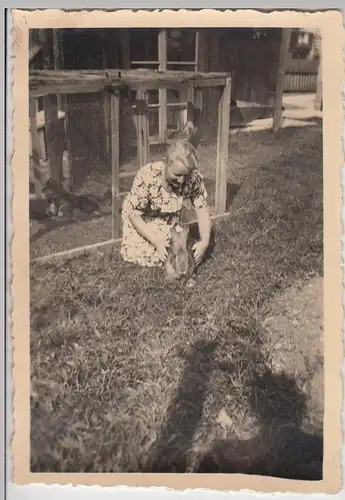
(204, 222)
(199, 250)
(161, 244)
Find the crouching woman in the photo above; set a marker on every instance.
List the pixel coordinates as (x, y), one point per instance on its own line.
(154, 205)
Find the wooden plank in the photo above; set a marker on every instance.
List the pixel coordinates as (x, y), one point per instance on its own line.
(75, 251)
(182, 63)
(162, 93)
(91, 88)
(70, 88)
(54, 138)
(97, 246)
(176, 84)
(115, 163)
(223, 149)
(49, 82)
(283, 54)
(96, 75)
(142, 128)
(176, 105)
(129, 173)
(145, 63)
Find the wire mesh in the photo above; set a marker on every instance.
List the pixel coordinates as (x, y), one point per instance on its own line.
(74, 210)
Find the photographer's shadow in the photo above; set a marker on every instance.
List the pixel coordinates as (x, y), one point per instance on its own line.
(282, 448)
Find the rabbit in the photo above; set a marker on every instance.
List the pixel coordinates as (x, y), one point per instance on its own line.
(63, 202)
(180, 262)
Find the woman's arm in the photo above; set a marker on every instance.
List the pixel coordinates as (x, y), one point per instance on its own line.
(205, 225)
(143, 229)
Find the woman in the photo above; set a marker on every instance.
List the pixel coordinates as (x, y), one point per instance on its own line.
(154, 205)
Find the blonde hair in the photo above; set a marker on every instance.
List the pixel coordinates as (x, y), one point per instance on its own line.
(183, 152)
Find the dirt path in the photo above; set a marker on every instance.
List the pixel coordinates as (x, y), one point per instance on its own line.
(295, 328)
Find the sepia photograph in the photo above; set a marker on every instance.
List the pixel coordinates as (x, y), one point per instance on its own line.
(176, 251)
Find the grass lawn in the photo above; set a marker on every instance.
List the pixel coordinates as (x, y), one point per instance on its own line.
(131, 374)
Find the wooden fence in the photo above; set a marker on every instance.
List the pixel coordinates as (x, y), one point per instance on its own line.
(301, 75)
(300, 82)
(77, 87)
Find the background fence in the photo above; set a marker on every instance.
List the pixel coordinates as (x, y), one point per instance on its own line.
(301, 75)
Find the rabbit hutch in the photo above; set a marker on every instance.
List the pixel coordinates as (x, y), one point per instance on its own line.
(105, 102)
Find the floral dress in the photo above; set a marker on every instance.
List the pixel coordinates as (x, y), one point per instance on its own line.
(159, 206)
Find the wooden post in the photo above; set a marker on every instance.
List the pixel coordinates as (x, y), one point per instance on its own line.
(223, 148)
(162, 57)
(142, 127)
(107, 120)
(107, 112)
(186, 95)
(115, 162)
(284, 49)
(57, 61)
(34, 48)
(318, 99)
(54, 138)
(69, 138)
(35, 149)
(198, 118)
(200, 53)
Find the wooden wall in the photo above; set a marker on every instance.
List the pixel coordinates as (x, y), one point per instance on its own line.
(252, 63)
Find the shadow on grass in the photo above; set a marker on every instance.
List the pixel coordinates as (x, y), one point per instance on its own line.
(281, 448)
(170, 452)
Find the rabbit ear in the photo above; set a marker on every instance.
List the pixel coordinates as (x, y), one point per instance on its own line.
(185, 227)
(189, 129)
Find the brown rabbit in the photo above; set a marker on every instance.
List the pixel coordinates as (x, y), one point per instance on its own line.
(180, 261)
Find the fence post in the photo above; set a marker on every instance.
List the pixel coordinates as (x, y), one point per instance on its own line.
(106, 107)
(142, 127)
(284, 49)
(35, 148)
(223, 148)
(115, 162)
(162, 57)
(54, 137)
(318, 100)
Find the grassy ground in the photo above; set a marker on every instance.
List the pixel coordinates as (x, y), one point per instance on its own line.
(131, 374)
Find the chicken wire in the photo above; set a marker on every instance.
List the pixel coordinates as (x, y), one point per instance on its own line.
(79, 212)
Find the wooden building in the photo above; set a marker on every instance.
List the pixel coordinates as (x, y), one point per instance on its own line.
(251, 56)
